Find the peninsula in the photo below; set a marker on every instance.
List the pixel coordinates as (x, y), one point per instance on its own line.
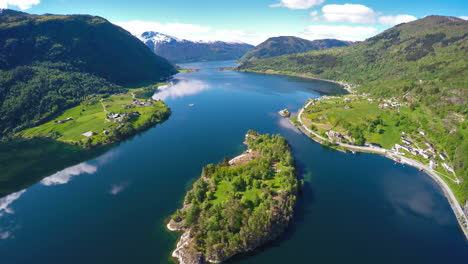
(101, 120)
(239, 204)
(407, 101)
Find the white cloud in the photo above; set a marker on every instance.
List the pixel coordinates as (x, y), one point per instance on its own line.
(196, 32)
(21, 4)
(7, 200)
(353, 33)
(348, 13)
(298, 4)
(314, 13)
(395, 20)
(65, 175)
(137, 27)
(464, 17)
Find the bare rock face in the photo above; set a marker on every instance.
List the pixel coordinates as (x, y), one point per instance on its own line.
(186, 252)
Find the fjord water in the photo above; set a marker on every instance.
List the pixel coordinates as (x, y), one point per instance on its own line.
(112, 208)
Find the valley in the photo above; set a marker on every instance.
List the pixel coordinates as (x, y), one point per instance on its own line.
(158, 133)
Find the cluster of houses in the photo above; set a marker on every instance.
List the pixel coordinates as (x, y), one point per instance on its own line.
(121, 117)
(63, 121)
(334, 135)
(429, 153)
(388, 103)
(137, 102)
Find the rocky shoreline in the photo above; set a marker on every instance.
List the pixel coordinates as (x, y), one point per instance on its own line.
(239, 204)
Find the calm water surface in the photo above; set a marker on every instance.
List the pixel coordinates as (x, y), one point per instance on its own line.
(110, 207)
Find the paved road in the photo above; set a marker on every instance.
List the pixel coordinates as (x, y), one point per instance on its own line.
(461, 217)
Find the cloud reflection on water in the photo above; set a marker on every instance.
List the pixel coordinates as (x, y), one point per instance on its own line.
(65, 175)
(285, 123)
(413, 199)
(119, 187)
(7, 200)
(180, 89)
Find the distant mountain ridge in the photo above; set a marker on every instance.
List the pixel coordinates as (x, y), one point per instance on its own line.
(182, 50)
(283, 45)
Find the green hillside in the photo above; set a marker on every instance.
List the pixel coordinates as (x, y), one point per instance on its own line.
(51, 62)
(423, 64)
(283, 45)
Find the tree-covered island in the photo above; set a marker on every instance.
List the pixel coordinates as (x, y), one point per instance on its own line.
(239, 204)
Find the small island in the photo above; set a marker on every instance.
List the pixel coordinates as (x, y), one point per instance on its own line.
(239, 204)
(285, 113)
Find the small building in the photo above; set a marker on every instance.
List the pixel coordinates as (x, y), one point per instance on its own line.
(88, 134)
(406, 141)
(425, 155)
(69, 118)
(433, 164)
(447, 167)
(422, 133)
(442, 156)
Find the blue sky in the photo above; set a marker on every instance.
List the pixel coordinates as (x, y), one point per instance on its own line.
(251, 21)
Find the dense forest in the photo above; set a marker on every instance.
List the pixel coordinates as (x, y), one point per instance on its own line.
(49, 63)
(234, 208)
(422, 63)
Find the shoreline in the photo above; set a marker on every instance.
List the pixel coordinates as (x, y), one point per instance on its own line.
(345, 86)
(454, 204)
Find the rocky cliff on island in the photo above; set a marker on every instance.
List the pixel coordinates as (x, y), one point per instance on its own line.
(239, 204)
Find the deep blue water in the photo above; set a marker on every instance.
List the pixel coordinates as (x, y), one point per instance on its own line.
(111, 209)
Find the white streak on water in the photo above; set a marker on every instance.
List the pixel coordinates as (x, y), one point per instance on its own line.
(285, 123)
(117, 188)
(180, 89)
(7, 200)
(65, 175)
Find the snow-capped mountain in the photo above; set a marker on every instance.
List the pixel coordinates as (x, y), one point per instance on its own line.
(179, 50)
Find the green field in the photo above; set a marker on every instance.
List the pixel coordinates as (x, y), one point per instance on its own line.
(360, 120)
(92, 116)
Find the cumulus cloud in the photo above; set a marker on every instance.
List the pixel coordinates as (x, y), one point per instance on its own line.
(7, 200)
(298, 4)
(21, 4)
(353, 33)
(65, 175)
(395, 20)
(192, 32)
(348, 13)
(464, 17)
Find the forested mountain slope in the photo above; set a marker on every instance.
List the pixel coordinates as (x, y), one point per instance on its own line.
(283, 45)
(423, 64)
(51, 62)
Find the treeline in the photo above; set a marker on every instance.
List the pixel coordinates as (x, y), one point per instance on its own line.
(30, 95)
(256, 208)
(51, 62)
